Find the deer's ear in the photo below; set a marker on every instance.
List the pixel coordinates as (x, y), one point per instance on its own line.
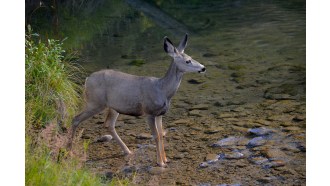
(183, 44)
(169, 48)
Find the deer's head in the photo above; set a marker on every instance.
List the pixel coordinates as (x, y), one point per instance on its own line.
(184, 62)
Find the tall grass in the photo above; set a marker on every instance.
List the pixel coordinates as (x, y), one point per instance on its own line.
(53, 95)
(50, 88)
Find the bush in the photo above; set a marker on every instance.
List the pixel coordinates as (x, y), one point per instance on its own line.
(50, 88)
(52, 94)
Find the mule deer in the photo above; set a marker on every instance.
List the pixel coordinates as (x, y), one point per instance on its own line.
(136, 95)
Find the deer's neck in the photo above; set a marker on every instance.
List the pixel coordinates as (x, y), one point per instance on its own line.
(171, 81)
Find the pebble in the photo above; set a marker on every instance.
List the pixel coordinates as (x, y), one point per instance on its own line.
(203, 165)
(258, 160)
(144, 136)
(274, 154)
(195, 113)
(214, 130)
(266, 179)
(257, 141)
(182, 121)
(105, 138)
(234, 155)
(212, 157)
(200, 107)
(291, 129)
(158, 170)
(225, 115)
(261, 131)
(178, 156)
(230, 141)
(240, 129)
(274, 164)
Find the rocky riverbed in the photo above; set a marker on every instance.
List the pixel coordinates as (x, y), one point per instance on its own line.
(220, 130)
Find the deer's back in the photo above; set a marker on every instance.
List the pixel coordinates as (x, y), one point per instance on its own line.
(125, 93)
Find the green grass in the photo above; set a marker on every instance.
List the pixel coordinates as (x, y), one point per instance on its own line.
(42, 169)
(50, 88)
(52, 94)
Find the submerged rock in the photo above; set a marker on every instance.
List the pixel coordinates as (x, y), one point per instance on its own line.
(258, 160)
(257, 141)
(274, 164)
(212, 158)
(230, 141)
(274, 154)
(195, 113)
(261, 131)
(144, 136)
(200, 107)
(158, 170)
(203, 165)
(105, 138)
(234, 155)
(213, 130)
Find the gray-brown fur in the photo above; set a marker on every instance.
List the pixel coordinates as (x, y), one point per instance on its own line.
(137, 95)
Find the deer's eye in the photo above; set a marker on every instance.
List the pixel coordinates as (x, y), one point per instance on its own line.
(189, 61)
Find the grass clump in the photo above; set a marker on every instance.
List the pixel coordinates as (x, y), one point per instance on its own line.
(52, 95)
(50, 88)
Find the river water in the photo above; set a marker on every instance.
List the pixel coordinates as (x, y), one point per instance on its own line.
(255, 58)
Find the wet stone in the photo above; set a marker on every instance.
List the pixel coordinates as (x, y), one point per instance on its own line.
(257, 141)
(230, 141)
(258, 160)
(213, 130)
(144, 136)
(274, 164)
(291, 129)
(274, 154)
(261, 131)
(182, 121)
(195, 113)
(225, 115)
(266, 179)
(203, 165)
(179, 156)
(234, 155)
(211, 157)
(158, 170)
(200, 107)
(105, 138)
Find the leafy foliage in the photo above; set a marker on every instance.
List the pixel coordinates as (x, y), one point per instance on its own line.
(51, 90)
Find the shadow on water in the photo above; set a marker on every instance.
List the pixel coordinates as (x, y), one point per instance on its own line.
(254, 53)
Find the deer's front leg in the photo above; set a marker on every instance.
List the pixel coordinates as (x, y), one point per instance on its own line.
(161, 133)
(157, 137)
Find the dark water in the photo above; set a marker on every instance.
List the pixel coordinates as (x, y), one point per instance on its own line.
(255, 56)
(272, 31)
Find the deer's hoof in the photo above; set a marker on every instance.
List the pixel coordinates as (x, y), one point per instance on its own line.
(161, 164)
(127, 153)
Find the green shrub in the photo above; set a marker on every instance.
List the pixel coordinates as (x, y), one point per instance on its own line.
(50, 88)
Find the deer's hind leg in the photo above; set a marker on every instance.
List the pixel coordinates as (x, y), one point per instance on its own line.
(110, 122)
(87, 113)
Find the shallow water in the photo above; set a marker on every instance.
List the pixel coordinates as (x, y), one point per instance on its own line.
(254, 53)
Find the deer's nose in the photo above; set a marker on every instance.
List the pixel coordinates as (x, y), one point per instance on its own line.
(202, 70)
